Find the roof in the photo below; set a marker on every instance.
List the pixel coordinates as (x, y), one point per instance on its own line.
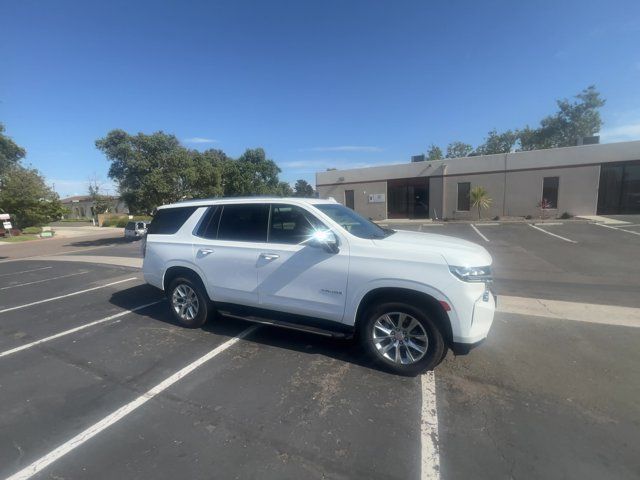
(216, 201)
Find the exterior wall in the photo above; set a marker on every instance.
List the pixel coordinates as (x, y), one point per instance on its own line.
(492, 182)
(513, 180)
(361, 192)
(577, 191)
(83, 208)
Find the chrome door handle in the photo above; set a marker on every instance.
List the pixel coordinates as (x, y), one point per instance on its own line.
(269, 256)
(205, 251)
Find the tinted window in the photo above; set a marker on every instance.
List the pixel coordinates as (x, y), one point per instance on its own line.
(130, 226)
(247, 223)
(208, 227)
(352, 222)
(550, 191)
(169, 220)
(291, 224)
(464, 202)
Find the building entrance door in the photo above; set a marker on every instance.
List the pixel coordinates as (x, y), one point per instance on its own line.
(619, 190)
(408, 198)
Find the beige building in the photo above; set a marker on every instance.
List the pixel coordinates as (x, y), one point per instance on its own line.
(83, 206)
(582, 180)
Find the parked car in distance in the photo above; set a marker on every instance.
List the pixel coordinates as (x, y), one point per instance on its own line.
(135, 230)
(317, 266)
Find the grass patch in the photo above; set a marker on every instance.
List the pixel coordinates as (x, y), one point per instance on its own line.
(19, 238)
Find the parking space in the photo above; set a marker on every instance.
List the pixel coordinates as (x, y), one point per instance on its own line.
(97, 381)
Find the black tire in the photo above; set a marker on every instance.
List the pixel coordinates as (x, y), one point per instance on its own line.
(435, 345)
(203, 304)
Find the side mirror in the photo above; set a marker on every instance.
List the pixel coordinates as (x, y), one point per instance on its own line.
(325, 239)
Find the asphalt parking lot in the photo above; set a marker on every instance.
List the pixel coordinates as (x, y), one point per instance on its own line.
(97, 381)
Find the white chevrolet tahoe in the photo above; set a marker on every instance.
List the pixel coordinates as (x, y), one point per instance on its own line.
(317, 266)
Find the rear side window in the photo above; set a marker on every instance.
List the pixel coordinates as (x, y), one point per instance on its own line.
(208, 227)
(244, 222)
(130, 226)
(169, 220)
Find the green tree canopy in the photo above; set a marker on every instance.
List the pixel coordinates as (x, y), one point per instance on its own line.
(434, 152)
(572, 120)
(303, 189)
(156, 169)
(10, 152)
(458, 149)
(25, 195)
(498, 142)
(284, 190)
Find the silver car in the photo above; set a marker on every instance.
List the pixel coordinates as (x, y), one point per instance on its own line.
(135, 230)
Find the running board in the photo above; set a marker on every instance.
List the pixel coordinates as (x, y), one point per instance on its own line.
(288, 325)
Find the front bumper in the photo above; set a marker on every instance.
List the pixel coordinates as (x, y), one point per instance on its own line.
(483, 311)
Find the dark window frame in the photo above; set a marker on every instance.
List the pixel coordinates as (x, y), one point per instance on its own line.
(226, 207)
(467, 199)
(306, 212)
(163, 212)
(553, 202)
(203, 225)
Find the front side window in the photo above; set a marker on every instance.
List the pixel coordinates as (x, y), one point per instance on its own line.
(291, 224)
(464, 201)
(352, 222)
(550, 191)
(244, 222)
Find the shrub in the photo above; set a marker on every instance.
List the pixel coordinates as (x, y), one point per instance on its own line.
(528, 217)
(497, 217)
(566, 215)
(32, 230)
(122, 222)
(106, 223)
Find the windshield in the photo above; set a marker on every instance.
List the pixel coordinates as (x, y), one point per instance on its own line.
(352, 222)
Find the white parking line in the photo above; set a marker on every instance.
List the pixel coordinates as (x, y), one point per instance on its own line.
(44, 280)
(76, 329)
(552, 234)
(478, 232)
(122, 412)
(617, 228)
(430, 469)
(24, 271)
(65, 296)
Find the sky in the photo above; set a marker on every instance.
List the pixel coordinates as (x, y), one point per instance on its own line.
(320, 84)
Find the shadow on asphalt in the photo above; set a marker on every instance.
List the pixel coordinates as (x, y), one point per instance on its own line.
(98, 242)
(306, 343)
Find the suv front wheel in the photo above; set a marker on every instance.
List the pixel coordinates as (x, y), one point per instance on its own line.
(402, 338)
(189, 303)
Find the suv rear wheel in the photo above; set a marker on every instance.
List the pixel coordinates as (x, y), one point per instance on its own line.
(189, 303)
(402, 338)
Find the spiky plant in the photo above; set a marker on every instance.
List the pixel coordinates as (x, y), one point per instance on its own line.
(480, 199)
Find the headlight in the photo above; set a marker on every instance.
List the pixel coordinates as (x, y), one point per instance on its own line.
(472, 274)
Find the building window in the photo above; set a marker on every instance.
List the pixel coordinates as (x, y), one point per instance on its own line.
(550, 191)
(463, 196)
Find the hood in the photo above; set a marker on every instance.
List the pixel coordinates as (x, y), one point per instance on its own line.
(455, 251)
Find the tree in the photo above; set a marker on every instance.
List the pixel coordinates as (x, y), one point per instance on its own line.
(303, 189)
(480, 199)
(25, 195)
(284, 190)
(458, 149)
(434, 152)
(498, 142)
(10, 152)
(572, 121)
(101, 203)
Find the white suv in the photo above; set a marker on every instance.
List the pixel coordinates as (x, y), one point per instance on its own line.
(317, 266)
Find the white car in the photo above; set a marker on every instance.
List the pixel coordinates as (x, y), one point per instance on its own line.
(135, 230)
(316, 265)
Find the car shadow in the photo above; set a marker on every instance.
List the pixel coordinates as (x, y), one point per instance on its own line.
(348, 351)
(98, 242)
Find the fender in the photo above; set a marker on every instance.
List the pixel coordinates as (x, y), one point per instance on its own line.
(177, 262)
(351, 308)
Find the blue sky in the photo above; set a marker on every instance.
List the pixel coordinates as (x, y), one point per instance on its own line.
(317, 84)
